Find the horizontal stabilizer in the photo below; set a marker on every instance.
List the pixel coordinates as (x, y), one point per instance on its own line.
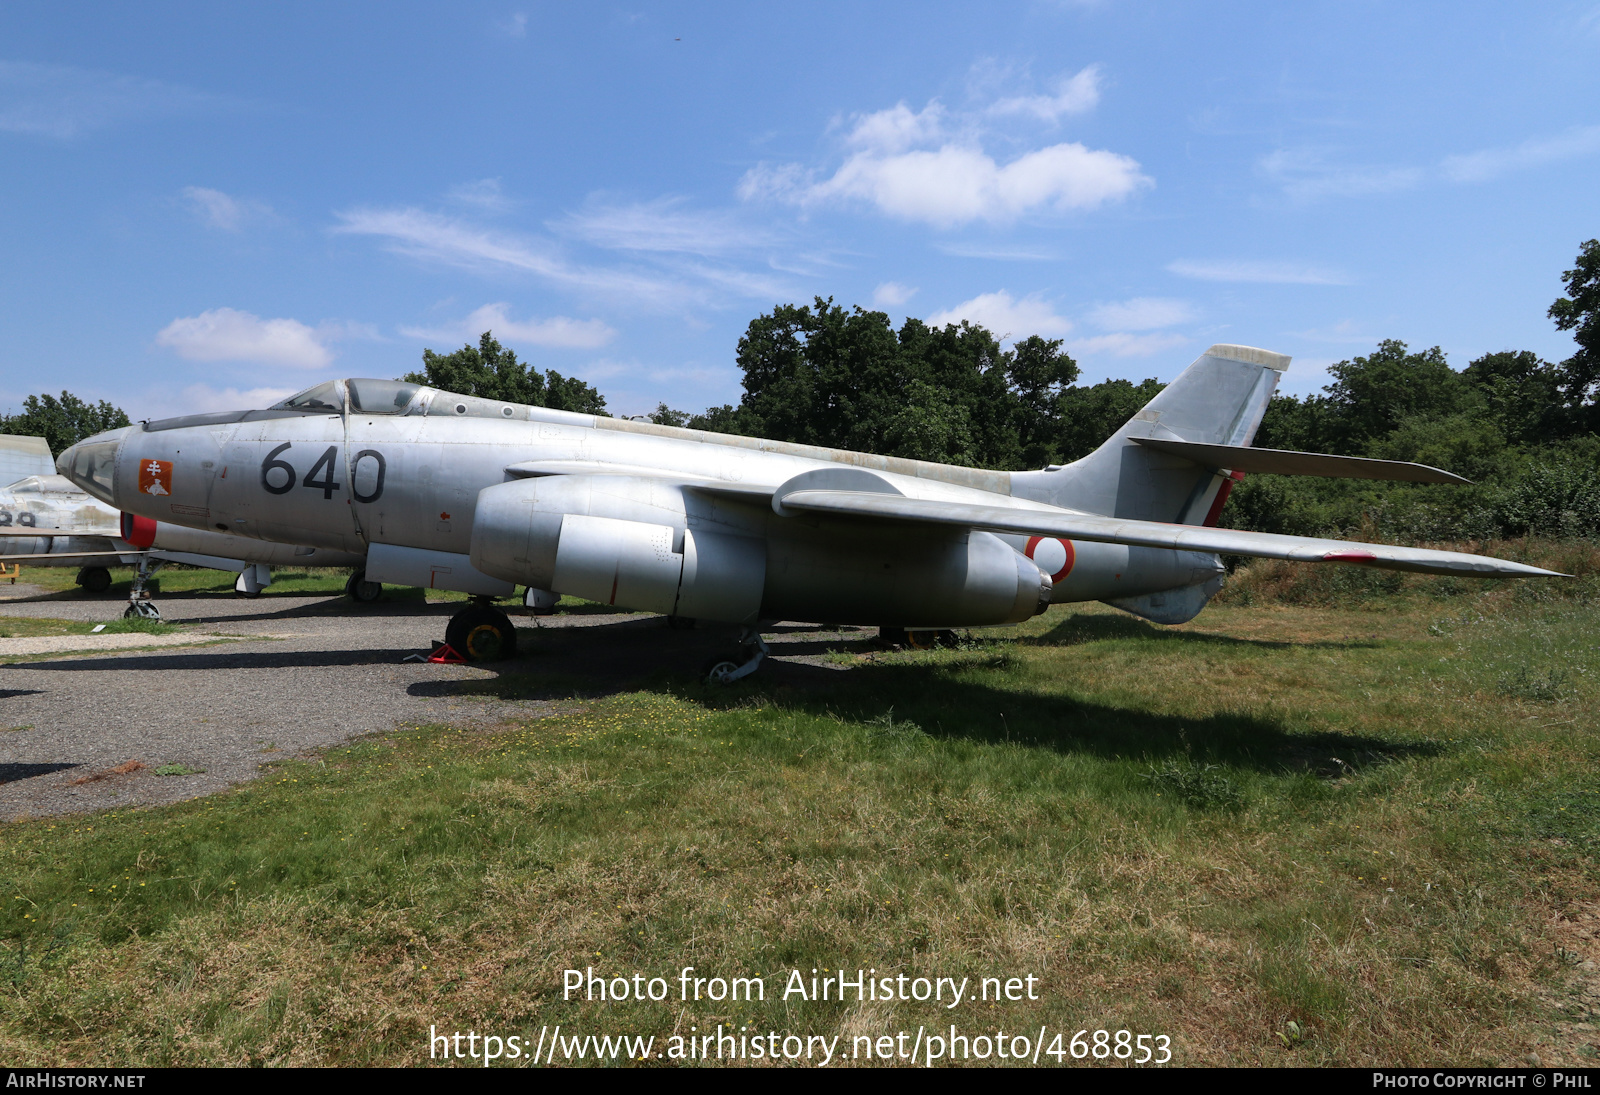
(1116, 530)
(1286, 462)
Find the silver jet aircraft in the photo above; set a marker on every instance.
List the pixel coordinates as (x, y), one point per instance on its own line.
(454, 492)
(46, 520)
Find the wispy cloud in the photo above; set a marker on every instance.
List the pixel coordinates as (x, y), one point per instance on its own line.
(514, 25)
(1075, 94)
(1310, 173)
(1491, 163)
(664, 225)
(931, 166)
(218, 210)
(224, 334)
(558, 331)
(891, 294)
(64, 102)
(997, 254)
(1005, 316)
(484, 194)
(1141, 314)
(1257, 272)
(428, 236)
(1123, 344)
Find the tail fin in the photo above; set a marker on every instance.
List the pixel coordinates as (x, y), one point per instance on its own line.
(1218, 400)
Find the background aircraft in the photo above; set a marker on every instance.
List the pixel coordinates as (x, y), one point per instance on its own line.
(454, 492)
(46, 520)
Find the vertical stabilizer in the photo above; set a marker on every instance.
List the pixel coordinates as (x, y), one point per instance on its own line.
(1218, 400)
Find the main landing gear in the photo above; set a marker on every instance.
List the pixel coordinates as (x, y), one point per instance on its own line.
(745, 661)
(95, 579)
(481, 632)
(360, 590)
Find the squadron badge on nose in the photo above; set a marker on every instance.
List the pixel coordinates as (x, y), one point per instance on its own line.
(155, 477)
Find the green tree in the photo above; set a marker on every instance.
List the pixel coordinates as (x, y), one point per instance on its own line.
(1522, 395)
(491, 371)
(62, 422)
(819, 374)
(1370, 395)
(1579, 312)
(1087, 416)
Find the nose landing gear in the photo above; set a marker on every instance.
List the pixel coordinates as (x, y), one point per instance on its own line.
(745, 662)
(482, 633)
(140, 606)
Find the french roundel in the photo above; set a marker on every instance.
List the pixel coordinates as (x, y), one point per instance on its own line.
(1054, 557)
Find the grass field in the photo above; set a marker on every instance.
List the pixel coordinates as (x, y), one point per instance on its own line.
(1340, 825)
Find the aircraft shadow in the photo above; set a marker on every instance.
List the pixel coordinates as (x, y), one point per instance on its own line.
(11, 773)
(1085, 628)
(591, 663)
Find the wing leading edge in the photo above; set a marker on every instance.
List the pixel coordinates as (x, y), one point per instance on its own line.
(1116, 530)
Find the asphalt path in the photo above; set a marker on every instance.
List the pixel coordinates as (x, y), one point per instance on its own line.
(288, 675)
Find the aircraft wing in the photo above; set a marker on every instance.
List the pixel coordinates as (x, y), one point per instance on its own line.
(1155, 534)
(1288, 462)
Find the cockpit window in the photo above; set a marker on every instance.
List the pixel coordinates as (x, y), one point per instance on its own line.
(381, 396)
(324, 397)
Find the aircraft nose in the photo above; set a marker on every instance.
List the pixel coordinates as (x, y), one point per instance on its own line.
(92, 463)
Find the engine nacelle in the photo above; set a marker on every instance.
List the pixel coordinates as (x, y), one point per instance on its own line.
(619, 541)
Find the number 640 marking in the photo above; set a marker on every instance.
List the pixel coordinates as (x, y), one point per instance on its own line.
(324, 465)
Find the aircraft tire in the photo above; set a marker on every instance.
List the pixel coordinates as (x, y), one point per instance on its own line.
(95, 579)
(482, 633)
(922, 640)
(717, 670)
(360, 590)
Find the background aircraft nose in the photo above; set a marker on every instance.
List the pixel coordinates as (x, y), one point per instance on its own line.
(92, 463)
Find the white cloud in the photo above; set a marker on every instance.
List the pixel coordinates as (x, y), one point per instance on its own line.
(1074, 95)
(218, 210)
(891, 294)
(1141, 314)
(224, 334)
(485, 194)
(558, 331)
(1007, 318)
(918, 166)
(1122, 344)
(1261, 273)
(1490, 163)
(64, 102)
(514, 25)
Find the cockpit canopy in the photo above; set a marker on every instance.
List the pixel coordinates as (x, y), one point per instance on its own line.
(366, 397)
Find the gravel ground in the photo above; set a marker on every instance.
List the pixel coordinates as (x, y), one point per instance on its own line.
(302, 673)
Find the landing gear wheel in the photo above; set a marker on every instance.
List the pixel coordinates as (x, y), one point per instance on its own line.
(95, 579)
(721, 672)
(361, 591)
(746, 661)
(141, 610)
(247, 594)
(482, 633)
(922, 640)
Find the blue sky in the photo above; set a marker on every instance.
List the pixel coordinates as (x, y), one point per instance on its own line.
(205, 206)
